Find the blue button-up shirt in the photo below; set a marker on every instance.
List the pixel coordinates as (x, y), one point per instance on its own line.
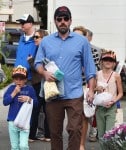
(70, 55)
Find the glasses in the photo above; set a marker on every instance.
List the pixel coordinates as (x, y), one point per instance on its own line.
(36, 37)
(59, 19)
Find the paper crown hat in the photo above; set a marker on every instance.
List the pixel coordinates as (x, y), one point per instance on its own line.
(108, 55)
(19, 71)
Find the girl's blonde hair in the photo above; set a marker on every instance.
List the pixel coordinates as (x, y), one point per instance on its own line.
(82, 29)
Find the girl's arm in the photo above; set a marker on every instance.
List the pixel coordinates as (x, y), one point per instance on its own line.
(8, 98)
(119, 88)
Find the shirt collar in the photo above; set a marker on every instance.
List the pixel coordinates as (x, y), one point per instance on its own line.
(70, 34)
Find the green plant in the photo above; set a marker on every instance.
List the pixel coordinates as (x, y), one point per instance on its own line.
(8, 72)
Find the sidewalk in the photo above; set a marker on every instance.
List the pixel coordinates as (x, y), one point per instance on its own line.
(39, 145)
(2, 91)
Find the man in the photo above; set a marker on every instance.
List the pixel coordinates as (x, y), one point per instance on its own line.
(26, 45)
(70, 52)
(25, 49)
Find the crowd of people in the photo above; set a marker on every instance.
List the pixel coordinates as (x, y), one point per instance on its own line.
(72, 54)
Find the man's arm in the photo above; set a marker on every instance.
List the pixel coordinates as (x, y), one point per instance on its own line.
(46, 74)
(39, 64)
(90, 93)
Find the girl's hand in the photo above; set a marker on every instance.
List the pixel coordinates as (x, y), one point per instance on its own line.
(16, 91)
(24, 98)
(100, 89)
(108, 104)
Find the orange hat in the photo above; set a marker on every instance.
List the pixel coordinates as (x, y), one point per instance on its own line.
(19, 71)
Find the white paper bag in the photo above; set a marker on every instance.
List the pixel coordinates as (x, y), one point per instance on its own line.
(101, 98)
(23, 117)
(119, 117)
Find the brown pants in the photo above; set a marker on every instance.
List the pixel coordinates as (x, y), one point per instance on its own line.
(56, 114)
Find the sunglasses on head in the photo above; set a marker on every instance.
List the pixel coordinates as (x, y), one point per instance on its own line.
(108, 59)
(36, 37)
(65, 18)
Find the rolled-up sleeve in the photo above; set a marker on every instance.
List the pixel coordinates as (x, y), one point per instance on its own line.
(88, 62)
(39, 56)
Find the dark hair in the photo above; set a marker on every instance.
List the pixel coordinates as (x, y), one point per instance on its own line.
(80, 28)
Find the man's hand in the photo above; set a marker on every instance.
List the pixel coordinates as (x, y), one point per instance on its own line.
(90, 96)
(49, 76)
(108, 104)
(29, 57)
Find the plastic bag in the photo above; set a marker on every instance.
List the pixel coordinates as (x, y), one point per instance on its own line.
(89, 109)
(23, 117)
(50, 90)
(101, 98)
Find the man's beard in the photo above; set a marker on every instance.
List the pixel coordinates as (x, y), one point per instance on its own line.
(63, 29)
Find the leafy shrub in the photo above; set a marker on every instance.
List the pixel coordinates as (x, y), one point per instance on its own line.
(8, 72)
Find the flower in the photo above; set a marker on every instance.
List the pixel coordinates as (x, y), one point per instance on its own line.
(115, 139)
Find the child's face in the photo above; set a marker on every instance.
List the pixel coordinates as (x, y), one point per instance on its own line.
(108, 64)
(20, 81)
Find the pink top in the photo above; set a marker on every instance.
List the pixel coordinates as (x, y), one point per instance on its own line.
(111, 86)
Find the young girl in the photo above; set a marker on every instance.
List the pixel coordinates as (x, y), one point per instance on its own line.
(105, 115)
(15, 96)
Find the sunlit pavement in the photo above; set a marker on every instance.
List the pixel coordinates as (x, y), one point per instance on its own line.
(39, 145)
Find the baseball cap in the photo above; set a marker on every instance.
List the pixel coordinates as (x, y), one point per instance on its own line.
(19, 71)
(109, 55)
(62, 11)
(27, 18)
